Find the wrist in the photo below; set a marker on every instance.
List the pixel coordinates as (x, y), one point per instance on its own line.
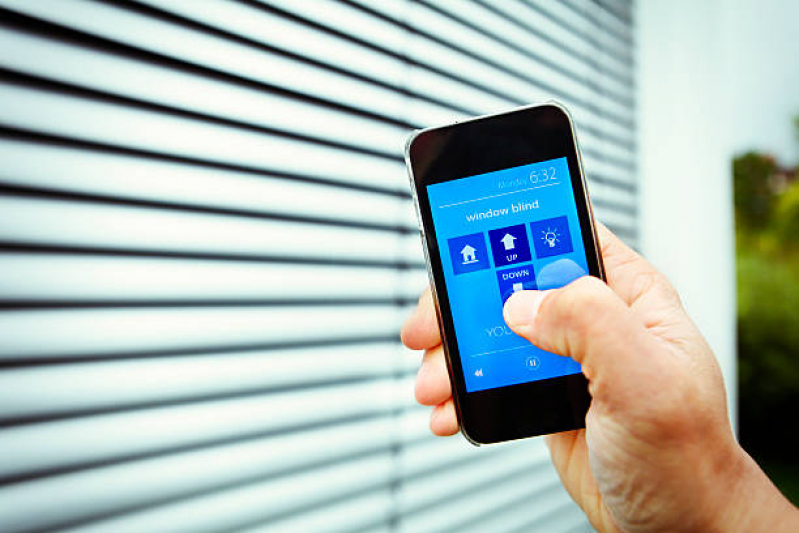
(747, 501)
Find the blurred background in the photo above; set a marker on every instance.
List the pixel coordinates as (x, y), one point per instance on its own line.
(207, 244)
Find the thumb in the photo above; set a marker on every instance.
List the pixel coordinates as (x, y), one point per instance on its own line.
(588, 322)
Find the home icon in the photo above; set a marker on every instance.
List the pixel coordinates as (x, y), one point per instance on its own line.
(469, 255)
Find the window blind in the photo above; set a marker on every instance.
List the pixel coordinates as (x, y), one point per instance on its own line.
(207, 248)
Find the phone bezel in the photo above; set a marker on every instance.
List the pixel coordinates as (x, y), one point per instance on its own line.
(484, 144)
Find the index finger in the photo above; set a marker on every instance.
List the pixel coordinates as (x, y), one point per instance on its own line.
(627, 272)
(420, 331)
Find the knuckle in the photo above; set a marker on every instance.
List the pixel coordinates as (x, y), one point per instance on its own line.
(653, 281)
(574, 314)
(582, 302)
(664, 286)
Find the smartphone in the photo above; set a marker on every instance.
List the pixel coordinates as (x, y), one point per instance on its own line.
(503, 206)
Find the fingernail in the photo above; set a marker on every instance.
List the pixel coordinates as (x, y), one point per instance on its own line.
(522, 307)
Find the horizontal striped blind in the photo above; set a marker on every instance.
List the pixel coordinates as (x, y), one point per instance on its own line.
(207, 248)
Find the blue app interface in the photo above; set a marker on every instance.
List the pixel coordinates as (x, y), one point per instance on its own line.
(498, 233)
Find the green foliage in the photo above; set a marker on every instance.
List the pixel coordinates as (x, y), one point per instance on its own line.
(768, 304)
(753, 197)
(786, 218)
(767, 230)
(785, 474)
(768, 344)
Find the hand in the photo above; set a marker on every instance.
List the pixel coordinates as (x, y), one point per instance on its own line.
(658, 452)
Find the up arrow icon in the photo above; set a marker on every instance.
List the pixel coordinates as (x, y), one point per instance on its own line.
(508, 241)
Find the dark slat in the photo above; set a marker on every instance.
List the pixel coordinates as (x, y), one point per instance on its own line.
(552, 65)
(496, 65)
(195, 350)
(341, 496)
(624, 59)
(13, 132)
(58, 248)
(93, 198)
(70, 35)
(583, 12)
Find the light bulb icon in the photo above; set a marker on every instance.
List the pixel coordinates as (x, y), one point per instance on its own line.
(550, 236)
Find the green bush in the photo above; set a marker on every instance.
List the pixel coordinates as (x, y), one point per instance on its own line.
(754, 198)
(767, 230)
(786, 219)
(768, 345)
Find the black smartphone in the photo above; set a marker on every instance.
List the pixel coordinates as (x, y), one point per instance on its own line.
(503, 207)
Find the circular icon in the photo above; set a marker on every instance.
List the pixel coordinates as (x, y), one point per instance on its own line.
(533, 363)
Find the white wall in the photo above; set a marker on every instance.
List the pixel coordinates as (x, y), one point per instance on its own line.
(716, 77)
(686, 207)
(762, 44)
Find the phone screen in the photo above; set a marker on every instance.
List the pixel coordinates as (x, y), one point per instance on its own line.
(497, 233)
